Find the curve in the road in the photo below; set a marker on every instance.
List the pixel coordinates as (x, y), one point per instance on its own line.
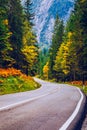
(51, 89)
(74, 114)
(22, 102)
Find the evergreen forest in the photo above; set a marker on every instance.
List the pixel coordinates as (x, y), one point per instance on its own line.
(68, 52)
(64, 61)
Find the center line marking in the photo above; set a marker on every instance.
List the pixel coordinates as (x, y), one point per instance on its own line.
(25, 101)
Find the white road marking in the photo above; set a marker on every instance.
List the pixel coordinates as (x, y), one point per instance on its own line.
(71, 118)
(25, 101)
(22, 102)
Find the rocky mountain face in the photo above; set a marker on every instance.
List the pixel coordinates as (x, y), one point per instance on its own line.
(45, 14)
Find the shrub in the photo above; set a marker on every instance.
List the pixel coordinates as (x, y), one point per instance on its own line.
(12, 80)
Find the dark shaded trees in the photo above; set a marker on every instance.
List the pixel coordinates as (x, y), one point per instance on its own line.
(17, 39)
(56, 42)
(5, 46)
(71, 59)
(15, 17)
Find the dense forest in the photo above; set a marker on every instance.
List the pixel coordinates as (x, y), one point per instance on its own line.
(66, 59)
(18, 46)
(68, 53)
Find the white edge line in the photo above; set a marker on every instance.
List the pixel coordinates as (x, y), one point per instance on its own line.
(19, 103)
(71, 118)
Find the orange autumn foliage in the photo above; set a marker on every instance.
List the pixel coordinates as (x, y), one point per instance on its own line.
(78, 83)
(25, 77)
(13, 72)
(9, 72)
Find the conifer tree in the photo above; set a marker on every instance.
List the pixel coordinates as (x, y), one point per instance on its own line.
(15, 17)
(29, 49)
(82, 9)
(73, 62)
(56, 42)
(5, 46)
(28, 11)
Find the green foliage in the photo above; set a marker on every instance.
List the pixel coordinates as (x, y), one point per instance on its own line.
(31, 54)
(15, 18)
(16, 84)
(5, 46)
(42, 60)
(83, 24)
(46, 71)
(17, 47)
(28, 11)
(17, 40)
(71, 59)
(56, 42)
(29, 49)
(29, 37)
(83, 88)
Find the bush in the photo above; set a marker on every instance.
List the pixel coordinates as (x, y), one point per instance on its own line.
(80, 85)
(12, 80)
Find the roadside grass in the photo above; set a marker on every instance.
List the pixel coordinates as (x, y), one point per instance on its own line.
(16, 82)
(79, 85)
(83, 88)
(74, 83)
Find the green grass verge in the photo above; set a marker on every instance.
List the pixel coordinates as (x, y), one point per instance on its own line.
(83, 88)
(16, 84)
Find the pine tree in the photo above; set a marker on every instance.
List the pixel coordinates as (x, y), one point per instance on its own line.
(71, 59)
(56, 42)
(28, 11)
(15, 17)
(82, 9)
(5, 46)
(29, 49)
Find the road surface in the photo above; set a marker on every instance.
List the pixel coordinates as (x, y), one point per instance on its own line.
(52, 107)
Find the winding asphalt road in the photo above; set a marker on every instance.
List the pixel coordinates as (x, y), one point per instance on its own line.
(52, 107)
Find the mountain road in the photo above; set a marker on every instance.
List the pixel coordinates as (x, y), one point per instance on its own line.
(52, 107)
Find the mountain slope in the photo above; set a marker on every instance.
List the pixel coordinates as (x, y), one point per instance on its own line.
(45, 14)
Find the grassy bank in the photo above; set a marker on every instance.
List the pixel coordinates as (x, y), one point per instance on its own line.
(83, 88)
(76, 84)
(12, 81)
(79, 85)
